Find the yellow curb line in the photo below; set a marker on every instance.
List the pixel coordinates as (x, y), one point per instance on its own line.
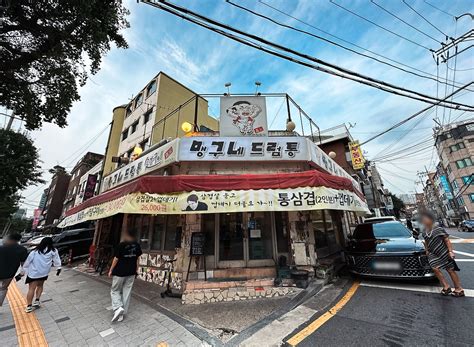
(28, 329)
(312, 327)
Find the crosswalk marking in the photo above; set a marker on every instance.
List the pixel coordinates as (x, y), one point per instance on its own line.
(464, 253)
(411, 287)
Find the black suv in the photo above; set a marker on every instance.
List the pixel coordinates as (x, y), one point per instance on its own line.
(77, 240)
(387, 249)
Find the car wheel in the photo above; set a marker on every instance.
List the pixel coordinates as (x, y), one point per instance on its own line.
(64, 258)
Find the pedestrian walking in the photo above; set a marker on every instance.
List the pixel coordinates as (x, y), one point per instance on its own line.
(440, 255)
(37, 267)
(12, 255)
(409, 224)
(123, 271)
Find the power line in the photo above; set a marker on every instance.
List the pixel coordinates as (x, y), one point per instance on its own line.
(412, 116)
(340, 72)
(328, 41)
(426, 20)
(381, 27)
(403, 21)
(435, 77)
(437, 8)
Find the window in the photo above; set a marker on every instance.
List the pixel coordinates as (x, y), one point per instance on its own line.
(457, 147)
(164, 232)
(448, 169)
(461, 201)
(471, 197)
(124, 135)
(128, 112)
(463, 163)
(470, 127)
(133, 127)
(151, 88)
(455, 184)
(144, 144)
(139, 100)
(468, 180)
(139, 224)
(147, 116)
(208, 226)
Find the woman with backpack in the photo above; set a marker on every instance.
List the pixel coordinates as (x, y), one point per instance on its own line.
(37, 267)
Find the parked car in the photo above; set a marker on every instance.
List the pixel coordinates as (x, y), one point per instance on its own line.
(388, 250)
(77, 240)
(34, 241)
(467, 225)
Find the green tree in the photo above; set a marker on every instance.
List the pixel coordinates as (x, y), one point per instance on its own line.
(19, 163)
(398, 205)
(46, 48)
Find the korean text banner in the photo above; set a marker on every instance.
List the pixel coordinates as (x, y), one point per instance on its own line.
(297, 199)
(358, 161)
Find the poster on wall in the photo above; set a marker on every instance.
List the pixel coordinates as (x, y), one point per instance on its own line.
(263, 200)
(243, 116)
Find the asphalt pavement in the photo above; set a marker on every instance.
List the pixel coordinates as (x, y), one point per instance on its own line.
(391, 313)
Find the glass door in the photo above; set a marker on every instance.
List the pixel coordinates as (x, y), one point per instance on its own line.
(260, 238)
(231, 236)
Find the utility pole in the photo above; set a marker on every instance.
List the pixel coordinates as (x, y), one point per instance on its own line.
(10, 121)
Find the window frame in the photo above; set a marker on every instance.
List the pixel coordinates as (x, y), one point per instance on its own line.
(125, 134)
(164, 233)
(148, 88)
(139, 100)
(133, 127)
(147, 116)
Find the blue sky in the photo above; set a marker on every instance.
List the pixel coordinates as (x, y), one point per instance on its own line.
(205, 61)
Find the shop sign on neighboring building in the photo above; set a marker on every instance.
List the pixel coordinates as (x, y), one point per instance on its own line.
(90, 187)
(243, 116)
(36, 217)
(243, 149)
(358, 161)
(151, 161)
(447, 189)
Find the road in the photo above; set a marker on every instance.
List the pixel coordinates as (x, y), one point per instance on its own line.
(382, 313)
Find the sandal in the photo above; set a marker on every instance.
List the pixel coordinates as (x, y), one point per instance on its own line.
(446, 292)
(458, 294)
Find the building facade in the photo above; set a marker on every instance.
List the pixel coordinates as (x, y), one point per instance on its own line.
(230, 208)
(89, 184)
(56, 194)
(455, 146)
(88, 161)
(155, 114)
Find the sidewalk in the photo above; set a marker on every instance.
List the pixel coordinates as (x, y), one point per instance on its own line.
(76, 312)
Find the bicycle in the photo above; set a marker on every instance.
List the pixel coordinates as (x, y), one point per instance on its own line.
(102, 257)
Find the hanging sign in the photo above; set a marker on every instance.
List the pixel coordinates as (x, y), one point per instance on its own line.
(358, 161)
(90, 187)
(263, 200)
(446, 187)
(243, 116)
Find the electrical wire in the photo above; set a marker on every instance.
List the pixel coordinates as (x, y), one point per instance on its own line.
(329, 41)
(437, 8)
(340, 72)
(409, 118)
(454, 73)
(351, 43)
(403, 21)
(426, 20)
(381, 27)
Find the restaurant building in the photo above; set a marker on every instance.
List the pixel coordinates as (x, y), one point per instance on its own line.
(229, 207)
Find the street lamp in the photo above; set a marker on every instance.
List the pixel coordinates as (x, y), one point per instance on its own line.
(227, 85)
(257, 84)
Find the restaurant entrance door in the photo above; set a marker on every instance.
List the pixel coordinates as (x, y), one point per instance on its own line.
(245, 239)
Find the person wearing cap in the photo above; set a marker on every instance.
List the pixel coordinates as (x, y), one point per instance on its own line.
(441, 255)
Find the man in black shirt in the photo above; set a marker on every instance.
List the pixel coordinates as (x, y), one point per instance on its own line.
(12, 255)
(123, 271)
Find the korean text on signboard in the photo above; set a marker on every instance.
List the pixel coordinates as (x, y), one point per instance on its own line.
(358, 161)
(145, 164)
(243, 149)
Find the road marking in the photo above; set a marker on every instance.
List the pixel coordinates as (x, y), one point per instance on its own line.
(459, 240)
(107, 332)
(464, 253)
(28, 328)
(315, 325)
(464, 260)
(412, 287)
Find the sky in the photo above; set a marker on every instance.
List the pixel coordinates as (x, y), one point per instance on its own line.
(205, 61)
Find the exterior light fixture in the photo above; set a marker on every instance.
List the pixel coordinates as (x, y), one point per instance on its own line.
(290, 126)
(186, 127)
(257, 84)
(332, 154)
(227, 85)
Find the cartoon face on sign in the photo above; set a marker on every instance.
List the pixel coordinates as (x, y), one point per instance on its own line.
(243, 116)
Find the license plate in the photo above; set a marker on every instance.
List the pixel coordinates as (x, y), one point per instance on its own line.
(383, 265)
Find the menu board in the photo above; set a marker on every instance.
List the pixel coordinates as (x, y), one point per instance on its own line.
(198, 243)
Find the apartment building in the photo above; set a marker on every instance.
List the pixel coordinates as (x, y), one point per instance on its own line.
(88, 161)
(455, 146)
(89, 184)
(55, 196)
(155, 113)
